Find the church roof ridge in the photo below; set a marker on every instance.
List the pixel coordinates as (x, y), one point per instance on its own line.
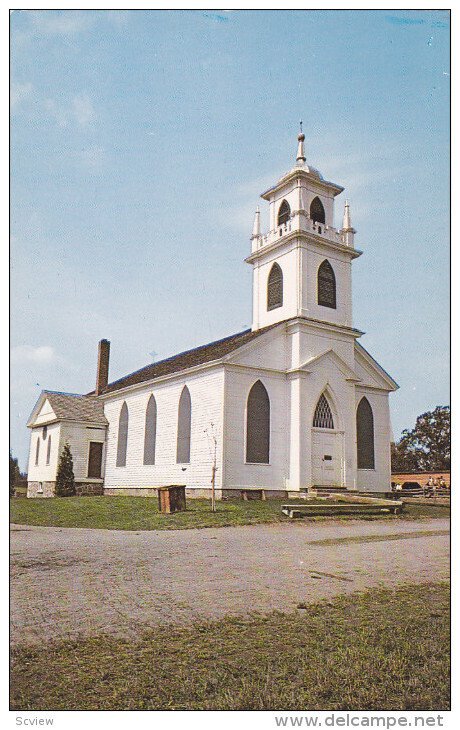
(200, 355)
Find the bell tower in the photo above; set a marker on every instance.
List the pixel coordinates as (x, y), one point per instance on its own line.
(302, 265)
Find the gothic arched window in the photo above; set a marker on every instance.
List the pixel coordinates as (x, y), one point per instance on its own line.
(284, 213)
(326, 286)
(365, 435)
(150, 433)
(37, 451)
(48, 451)
(317, 211)
(184, 427)
(323, 415)
(275, 288)
(258, 425)
(122, 435)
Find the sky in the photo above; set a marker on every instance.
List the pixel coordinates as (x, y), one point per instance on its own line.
(140, 143)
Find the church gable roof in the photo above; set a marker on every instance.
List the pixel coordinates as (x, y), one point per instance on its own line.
(70, 407)
(371, 373)
(190, 358)
(333, 357)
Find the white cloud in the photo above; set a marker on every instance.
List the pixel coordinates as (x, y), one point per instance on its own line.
(26, 353)
(83, 109)
(79, 111)
(18, 93)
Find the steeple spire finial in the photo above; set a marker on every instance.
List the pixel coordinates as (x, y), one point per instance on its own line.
(300, 149)
(256, 226)
(346, 225)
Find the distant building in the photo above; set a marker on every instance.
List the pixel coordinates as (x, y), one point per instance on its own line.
(293, 403)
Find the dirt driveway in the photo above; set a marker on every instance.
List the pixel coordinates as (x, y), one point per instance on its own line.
(71, 582)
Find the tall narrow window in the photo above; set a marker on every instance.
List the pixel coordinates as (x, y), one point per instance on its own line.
(37, 451)
(150, 434)
(122, 435)
(275, 288)
(95, 459)
(365, 435)
(48, 451)
(184, 427)
(284, 213)
(323, 415)
(258, 425)
(327, 296)
(317, 211)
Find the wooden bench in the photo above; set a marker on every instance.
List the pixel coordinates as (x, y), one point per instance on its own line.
(332, 510)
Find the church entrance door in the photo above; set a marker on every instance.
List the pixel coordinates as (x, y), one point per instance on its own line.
(326, 458)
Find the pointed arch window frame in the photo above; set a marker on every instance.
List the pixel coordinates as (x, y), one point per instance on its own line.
(257, 442)
(150, 431)
(365, 436)
(184, 427)
(317, 211)
(326, 285)
(284, 213)
(122, 436)
(323, 415)
(275, 284)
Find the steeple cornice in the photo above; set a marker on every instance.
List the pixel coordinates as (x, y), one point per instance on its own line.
(309, 176)
(304, 237)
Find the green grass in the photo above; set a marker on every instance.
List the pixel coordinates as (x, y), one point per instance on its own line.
(380, 650)
(141, 513)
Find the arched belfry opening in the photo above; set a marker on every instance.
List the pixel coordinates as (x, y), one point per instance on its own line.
(275, 287)
(317, 213)
(284, 213)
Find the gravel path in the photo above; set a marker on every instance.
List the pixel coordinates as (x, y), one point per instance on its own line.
(71, 582)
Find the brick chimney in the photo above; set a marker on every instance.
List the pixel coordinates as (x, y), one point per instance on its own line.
(102, 375)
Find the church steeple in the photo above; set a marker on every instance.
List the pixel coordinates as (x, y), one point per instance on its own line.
(302, 264)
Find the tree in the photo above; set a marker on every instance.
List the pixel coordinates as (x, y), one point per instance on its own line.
(427, 446)
(15, 474)
(65, 478)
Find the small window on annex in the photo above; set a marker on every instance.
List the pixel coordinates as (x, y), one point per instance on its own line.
(48, 451)
(95, 460)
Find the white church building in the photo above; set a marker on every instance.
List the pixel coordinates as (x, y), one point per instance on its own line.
(292, 404)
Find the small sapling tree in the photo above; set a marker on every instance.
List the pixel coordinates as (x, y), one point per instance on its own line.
(65, 479)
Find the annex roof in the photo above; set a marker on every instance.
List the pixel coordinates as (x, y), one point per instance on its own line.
(70, 407)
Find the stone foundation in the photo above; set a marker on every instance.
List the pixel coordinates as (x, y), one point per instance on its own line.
(204, 493)
(40, 489)
(46, 489)
(89, 489)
